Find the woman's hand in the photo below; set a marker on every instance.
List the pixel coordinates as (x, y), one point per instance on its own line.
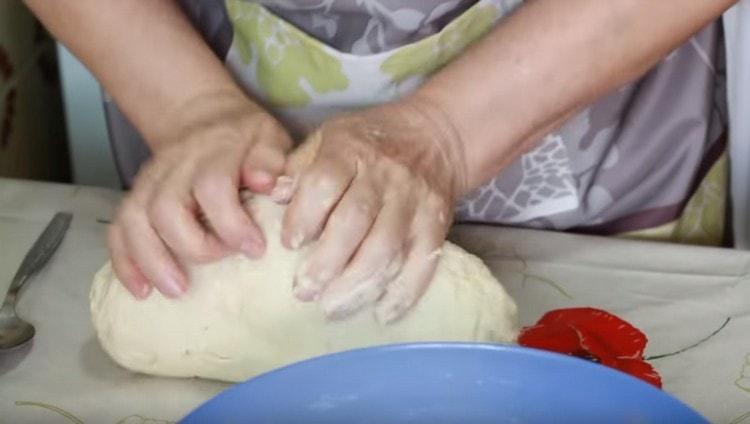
(208, 139)
(220, 143)
(377, 195)
(375, 191)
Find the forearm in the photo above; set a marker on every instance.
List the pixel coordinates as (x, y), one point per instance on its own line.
(548, 60)
(145, 53)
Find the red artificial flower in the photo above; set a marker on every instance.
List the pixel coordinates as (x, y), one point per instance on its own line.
(594, 335)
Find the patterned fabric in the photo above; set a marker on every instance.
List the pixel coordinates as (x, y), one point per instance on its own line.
(702, 221)
(635, 154)
(540, 184)
(629, 162)
(363, 27)
(305, 81)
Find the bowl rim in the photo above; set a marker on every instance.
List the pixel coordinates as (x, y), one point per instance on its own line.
(429, 346)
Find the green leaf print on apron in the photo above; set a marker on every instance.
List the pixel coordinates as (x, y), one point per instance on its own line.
(304, 82)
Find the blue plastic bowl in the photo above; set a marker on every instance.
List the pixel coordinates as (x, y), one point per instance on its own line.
(434, 383)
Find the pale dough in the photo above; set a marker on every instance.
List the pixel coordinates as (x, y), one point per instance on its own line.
(240, 319)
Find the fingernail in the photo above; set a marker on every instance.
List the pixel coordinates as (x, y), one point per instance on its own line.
(389, 312)
(394, 304)
(393, 268)
(335, 313)
(283, 190)
(143, 291)
(297, 240)
(172, 288)
(306, 289)
(252, 248)
(343, 304)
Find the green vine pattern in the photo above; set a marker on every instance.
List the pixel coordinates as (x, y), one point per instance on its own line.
(557, 286)
(741, 419)
(130, 419)
(696, 344)
(743, 381)
(488, 250)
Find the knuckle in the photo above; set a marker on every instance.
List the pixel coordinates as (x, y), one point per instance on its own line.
(130, 211)
(323, 180)
(207, 185)
(400, 174)
(216, 132)
(271, 131)
(353, 214)
(365, 208)
(435, 202)
(161, 210)
(264, 152)
(388, 242)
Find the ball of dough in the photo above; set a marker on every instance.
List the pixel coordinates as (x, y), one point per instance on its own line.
(239, 317)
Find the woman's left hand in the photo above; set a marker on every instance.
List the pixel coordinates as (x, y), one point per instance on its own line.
(374, 192)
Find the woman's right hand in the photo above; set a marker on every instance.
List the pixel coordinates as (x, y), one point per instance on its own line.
(219, 143)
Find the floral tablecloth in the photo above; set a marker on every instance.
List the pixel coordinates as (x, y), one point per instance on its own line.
(679, 296)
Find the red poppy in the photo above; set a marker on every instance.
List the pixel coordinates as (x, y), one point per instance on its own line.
(594, 335)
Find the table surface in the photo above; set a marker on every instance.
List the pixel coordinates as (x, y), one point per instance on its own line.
(676, 295)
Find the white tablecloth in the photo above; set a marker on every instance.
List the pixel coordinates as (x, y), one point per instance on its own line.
(675, 294)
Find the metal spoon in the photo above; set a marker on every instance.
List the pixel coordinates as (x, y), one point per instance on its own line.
(13, 330)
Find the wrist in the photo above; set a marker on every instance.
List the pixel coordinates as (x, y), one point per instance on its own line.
(204, 109)
(448, 141)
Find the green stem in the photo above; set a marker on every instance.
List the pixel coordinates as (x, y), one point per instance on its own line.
(664, 355)
(72, 418)
(741, 418)
(551, 283)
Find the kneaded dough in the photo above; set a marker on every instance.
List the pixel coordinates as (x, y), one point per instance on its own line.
(239, 317)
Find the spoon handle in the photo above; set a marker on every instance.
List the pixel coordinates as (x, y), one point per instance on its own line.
(40, 253)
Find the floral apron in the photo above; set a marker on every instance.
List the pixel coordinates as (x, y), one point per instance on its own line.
(306, 81)
(646, 161)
